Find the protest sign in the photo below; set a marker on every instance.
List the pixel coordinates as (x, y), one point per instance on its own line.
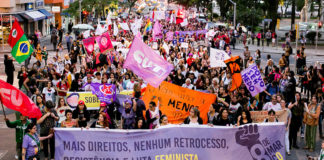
(249, 142)
(177, 101)
(159, 15)
(260, 116)
(124, 26)
(169, 36)
(91, 100)
(253, 80)
(151, 67)
(184, 45)
(217, 57)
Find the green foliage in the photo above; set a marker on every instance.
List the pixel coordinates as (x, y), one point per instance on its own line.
(88, 5)
(300, 4)
(186, 3)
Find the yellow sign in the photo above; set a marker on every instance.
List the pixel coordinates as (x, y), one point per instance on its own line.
(278, 24)
(91, 100)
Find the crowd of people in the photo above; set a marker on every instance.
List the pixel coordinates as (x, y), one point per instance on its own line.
(48, 81)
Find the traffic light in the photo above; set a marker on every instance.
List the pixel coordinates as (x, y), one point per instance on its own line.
(319, 24)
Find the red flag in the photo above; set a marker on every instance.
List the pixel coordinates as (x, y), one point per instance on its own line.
(104, 42)
(180, 16)
(89, 44)
(153, 15)
(16, 100)
(15, 34)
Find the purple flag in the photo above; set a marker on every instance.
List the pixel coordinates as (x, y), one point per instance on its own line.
(253, 80)
(104, 92)
(145, 63)
(169, 36)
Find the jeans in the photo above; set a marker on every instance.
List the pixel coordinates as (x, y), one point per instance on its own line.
(287, 141)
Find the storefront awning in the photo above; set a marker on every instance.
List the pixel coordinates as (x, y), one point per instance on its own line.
(33, 16)
(46, 13)
(6, 18)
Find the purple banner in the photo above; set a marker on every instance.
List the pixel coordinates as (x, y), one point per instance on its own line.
(104, 92)
(253, 80)
(145, 63)
(248, 142)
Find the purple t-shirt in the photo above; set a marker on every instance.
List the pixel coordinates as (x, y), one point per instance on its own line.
(30, 145)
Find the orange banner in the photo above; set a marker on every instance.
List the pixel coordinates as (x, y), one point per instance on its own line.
(176, 101)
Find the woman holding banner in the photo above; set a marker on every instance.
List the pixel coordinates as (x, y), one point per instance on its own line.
(194, 117)
(102, 122)
(153, 114)
(244, 118)
(223, 118)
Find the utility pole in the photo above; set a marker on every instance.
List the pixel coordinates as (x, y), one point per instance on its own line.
(234, 19)
(80, 11)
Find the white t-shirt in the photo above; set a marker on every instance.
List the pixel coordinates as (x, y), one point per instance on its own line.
(130, 85)
(268, 106)
(49, 93)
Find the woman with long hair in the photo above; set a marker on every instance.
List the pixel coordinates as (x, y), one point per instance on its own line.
(244, 118)
(297, 111)
(61, 108)
(102, 122)
(194, 117)
(311, 120)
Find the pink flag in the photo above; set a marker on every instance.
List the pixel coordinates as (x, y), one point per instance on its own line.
(156, 29)
(169, 36)
(145, 63)
(89, 44)
(104, 42)
(13, 98)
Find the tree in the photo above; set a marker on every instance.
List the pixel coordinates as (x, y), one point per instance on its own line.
(293, 15)
(89, 5)
(271, 7)
(185, 3)
(224, 6)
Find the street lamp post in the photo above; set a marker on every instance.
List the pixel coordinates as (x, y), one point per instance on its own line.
(80, 11)
(234, 19)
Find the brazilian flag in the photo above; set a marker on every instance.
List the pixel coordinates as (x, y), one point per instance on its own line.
(21, 48)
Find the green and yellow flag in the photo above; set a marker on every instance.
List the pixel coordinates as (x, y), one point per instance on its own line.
(21, 48)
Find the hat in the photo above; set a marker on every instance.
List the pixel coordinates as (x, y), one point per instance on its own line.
(81, 102)
(102, 104)
(190, 54)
